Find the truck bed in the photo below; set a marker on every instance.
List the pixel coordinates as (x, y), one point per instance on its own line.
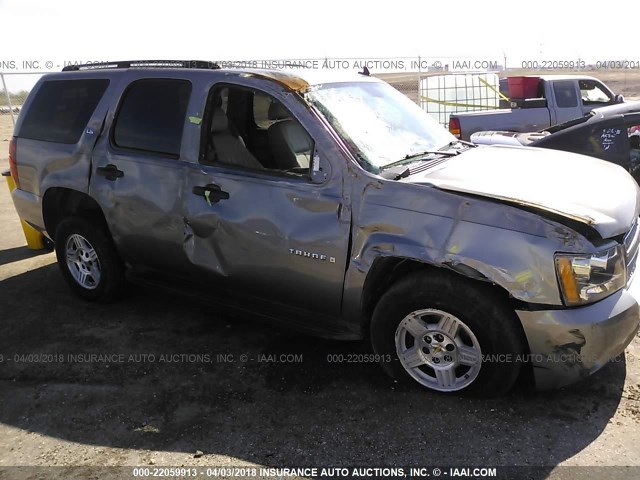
(525, 119)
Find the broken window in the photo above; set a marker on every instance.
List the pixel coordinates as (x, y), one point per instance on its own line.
(250, 129)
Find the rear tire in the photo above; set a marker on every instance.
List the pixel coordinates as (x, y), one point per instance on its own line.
(448, 334)
(88, 260)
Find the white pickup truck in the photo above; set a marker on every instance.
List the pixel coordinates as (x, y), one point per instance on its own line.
(558, 98)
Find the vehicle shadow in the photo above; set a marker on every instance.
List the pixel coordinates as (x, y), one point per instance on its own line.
(170, 375)
(16, 254)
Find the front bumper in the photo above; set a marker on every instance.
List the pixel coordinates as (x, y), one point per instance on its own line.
(570, 344)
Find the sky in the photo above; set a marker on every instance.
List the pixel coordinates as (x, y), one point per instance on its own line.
(60, 31)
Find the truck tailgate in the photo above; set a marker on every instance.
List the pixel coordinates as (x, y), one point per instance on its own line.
(516, 120)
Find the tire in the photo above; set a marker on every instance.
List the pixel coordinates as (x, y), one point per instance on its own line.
(88, 260)
(448, 334)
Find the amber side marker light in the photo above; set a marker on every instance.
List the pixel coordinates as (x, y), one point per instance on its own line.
(568, 281)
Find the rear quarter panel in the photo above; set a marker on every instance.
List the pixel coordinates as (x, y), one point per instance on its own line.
(43, 164)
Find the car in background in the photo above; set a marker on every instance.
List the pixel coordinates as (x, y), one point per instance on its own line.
(610, 133)
(537, 102)
(4, 110)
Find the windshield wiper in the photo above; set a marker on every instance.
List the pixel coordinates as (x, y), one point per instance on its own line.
(415, 156)
(458, 142)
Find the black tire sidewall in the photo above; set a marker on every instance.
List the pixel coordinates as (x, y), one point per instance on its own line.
(111, 281)
(487, 315)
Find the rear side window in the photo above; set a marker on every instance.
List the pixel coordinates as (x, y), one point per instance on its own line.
(565, 93)
(151, 116)
(61, 110)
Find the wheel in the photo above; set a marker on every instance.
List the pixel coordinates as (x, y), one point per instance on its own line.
(88, 260)
(448, 334)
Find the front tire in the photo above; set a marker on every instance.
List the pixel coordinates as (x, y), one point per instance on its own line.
(88, 260)
(448, 334)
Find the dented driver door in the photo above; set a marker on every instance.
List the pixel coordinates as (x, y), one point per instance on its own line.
(282, 239)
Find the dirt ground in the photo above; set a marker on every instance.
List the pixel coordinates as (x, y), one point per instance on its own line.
(165, 396)
(6, 130)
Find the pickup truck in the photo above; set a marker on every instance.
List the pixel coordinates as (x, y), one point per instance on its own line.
(609, 133)
(559, 98)
(336, 206)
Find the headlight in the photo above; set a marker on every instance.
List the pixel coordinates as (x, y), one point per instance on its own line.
(589, 278)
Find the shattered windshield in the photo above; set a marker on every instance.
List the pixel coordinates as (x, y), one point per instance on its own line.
(379, 124)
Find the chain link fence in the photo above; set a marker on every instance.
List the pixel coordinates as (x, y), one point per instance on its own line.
(434, 83)
(14, 88)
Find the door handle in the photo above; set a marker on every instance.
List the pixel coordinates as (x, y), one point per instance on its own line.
(110, 172)
(212, 193)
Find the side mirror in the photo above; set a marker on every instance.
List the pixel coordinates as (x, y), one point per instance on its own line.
(618, 99)
(320, 168)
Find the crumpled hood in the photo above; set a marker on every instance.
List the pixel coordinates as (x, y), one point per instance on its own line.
(582, 188)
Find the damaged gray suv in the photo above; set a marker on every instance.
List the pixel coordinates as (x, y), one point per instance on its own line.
(338, 207)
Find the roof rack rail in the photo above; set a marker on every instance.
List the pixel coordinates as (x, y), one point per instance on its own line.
(144, 64)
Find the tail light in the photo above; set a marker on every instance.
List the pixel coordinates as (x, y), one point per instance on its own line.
(454, 126)
(13, 166)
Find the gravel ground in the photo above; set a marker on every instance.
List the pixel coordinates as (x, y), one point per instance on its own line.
(170, 395)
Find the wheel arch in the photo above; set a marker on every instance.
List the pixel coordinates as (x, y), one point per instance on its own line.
(387, 270)
(59, 203)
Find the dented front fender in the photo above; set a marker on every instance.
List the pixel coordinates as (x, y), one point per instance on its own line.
(499, 243)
